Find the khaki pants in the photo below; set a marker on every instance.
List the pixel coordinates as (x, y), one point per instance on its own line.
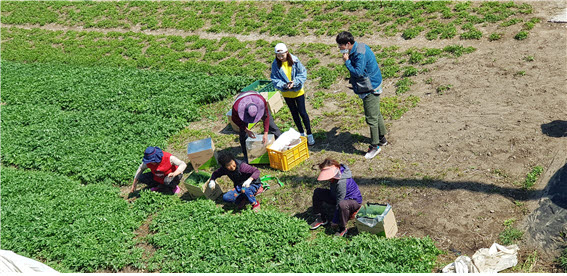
(374, 119)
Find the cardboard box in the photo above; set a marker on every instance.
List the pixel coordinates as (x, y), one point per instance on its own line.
(195, 192)
(274, 100)
(202, 154)
(233, 125)
(257, 152)
(386, 225)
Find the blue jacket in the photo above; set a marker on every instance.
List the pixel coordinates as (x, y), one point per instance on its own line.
(298, 74)
(362, 63)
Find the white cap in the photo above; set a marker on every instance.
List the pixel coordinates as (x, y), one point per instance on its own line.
(281, 48)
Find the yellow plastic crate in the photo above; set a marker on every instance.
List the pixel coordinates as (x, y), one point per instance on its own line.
(286, 160)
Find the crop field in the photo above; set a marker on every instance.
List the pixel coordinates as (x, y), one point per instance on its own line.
(87, 86)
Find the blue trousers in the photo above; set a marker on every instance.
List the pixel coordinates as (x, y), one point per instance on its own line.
(245, 194)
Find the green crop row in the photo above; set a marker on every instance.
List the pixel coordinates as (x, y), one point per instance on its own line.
(198, 236)
(405, 18)
(77, 228)
(93, 123)
(225, 56)
(69, 226)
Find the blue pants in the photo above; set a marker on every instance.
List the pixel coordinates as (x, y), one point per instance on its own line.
(246, 194)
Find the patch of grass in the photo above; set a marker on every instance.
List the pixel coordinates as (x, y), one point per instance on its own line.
(393, 108)
(412, 32)
(562, 260)
(500, 173)
(471, 32)
(458, 50)
(410, 71)
(403, 85)
(530, 262)
(443, 88)
(529, 58)
(521, 73)
(318, 99)
(495, 36)
(531, 177)
(510, 235)
(521, 35)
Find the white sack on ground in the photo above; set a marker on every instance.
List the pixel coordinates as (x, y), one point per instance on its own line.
(12, 262)
(285, 139)
(496, 258)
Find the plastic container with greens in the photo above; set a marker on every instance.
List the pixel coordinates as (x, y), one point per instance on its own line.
(197, 179)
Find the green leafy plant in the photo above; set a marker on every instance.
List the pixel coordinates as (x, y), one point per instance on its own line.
(495, 36)
(403, 85)
(442, 89)
(531, 177)
(521, 35)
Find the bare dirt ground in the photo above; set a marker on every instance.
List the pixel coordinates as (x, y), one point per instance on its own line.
(455, 164)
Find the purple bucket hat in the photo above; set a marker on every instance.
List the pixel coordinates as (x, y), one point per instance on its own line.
(152, 154)
(251, 108)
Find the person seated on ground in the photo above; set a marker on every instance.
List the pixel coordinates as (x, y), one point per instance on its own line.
(248, 108)
(246, 181)
(165, 173)
(343, 193)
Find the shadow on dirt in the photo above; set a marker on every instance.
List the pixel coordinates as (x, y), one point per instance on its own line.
(557, 128)
(511, 192)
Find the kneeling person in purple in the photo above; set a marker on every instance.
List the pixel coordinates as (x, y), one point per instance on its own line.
(343, 193)
(246, 181)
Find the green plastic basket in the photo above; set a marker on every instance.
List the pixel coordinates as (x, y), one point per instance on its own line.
(260, 86)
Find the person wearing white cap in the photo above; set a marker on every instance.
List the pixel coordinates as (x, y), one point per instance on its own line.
(343, 193)
(288, 75)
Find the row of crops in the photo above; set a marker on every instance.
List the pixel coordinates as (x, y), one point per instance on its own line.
(79, 107)
(433, 19)
(225, 56)
(88, 228)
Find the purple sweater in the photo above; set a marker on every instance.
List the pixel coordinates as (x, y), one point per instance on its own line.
(242, 172)
(344, 189)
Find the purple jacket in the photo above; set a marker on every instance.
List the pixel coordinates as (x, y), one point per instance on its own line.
(243, 171)
(345, 188)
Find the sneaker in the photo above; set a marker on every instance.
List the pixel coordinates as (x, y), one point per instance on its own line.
(303, 134)
(341, 233)
(372, 151)
(259, 191)
(256, 207)
(153, 189)
(310, 140)
(383, 142)
(318, 222)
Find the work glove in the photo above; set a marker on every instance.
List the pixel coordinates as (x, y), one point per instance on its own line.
(212, 184)
(246, 183)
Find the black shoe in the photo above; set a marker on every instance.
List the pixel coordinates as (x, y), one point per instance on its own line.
(383, 141)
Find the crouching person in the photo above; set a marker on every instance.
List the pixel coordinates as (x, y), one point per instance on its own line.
(245, 178)
(165, 173)
(343, 193)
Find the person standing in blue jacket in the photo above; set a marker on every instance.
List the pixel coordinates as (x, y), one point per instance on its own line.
(343, 193)
(288, 75)
(366, 80)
